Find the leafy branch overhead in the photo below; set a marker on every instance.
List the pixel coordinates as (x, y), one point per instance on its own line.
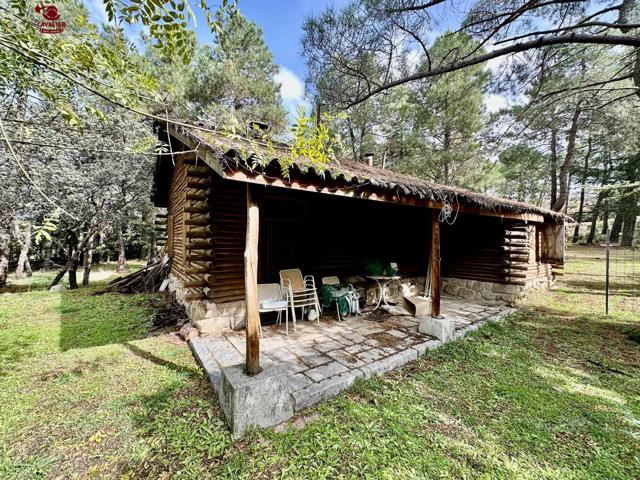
(339, 40)
(102, 63)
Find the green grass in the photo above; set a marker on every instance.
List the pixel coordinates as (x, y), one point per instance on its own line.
(88, 391)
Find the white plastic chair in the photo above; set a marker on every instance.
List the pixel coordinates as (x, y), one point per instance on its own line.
(301, 290)
(272, 298)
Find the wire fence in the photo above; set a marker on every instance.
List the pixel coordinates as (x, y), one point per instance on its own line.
(609, 270)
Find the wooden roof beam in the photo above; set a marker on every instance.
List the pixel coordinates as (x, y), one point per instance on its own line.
(242, 176)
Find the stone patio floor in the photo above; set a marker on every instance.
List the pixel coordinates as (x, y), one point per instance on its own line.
(324, 359)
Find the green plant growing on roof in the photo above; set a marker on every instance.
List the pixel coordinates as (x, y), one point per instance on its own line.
(313, 141)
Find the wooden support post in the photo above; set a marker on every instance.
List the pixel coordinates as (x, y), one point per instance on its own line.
(436, 281)
(251, 285)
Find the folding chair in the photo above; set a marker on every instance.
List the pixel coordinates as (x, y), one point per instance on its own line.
(301, 291)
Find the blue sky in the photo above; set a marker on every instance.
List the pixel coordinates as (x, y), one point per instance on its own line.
(281, 22)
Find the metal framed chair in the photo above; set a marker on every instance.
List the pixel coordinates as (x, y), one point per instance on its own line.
(301, 290)
(272, 298)
(341, 294)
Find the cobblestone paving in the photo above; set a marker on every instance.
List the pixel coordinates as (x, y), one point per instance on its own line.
(324, 359)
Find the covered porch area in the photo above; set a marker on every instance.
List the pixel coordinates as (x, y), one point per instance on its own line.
(321, 360)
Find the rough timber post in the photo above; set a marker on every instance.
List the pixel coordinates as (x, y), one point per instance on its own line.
(251, 285)
(435, 264)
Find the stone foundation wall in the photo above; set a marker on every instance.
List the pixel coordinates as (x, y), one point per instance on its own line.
(493, 293)
(482, 292)
(227, 315)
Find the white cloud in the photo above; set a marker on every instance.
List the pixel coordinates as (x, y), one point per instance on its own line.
(292, 91)
(493, 102)
(291, 87)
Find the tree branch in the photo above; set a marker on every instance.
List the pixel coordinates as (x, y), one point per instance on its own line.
(633, 41)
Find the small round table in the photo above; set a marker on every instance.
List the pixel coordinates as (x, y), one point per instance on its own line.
(382, 281)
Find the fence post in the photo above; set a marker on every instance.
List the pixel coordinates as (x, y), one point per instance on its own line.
(606, 280)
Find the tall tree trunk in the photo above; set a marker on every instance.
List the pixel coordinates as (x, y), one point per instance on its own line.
(72, 270)
(47, 261)
(594, 219)
(447, 147)
(566, 204)
(27, 268)
(4, 258)
(352, 137)
(563, 181)
(617, 223)
(553, 173)
(605, 217)
(61, 273)
(122, 260)
(23, 268)
(87, 260)
(630, 214)
(583, 182)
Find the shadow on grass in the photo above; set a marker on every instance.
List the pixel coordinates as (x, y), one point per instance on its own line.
(146, 355)
(597, 287)
(90, 321)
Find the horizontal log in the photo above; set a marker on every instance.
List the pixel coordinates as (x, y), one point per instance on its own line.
(194, 284)
(198, 271)
(203, 263)
(199, 221)
(199, 197)
(203, 209)
(210, 277)
(201, 250)
(517, 266)
(199, 258)
(194, 234)
(513, 236)
(509, 273)
(199, 185)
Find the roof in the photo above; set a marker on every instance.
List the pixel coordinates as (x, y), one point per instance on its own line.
(227, 152)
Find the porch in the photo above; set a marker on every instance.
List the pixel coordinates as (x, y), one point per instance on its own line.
(324, 359)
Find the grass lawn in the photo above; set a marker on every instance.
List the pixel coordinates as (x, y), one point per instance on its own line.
(87, 390)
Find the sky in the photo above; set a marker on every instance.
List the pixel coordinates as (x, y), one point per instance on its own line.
(281, 22)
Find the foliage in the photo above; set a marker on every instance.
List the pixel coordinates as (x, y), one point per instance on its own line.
(524, 170)
(312, 140)
(169, 22)
(233, 79)
(448, 116)
(79, 59)
(87, 391)
(227, 83)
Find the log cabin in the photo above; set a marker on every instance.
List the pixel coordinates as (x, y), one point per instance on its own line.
(235, 210)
